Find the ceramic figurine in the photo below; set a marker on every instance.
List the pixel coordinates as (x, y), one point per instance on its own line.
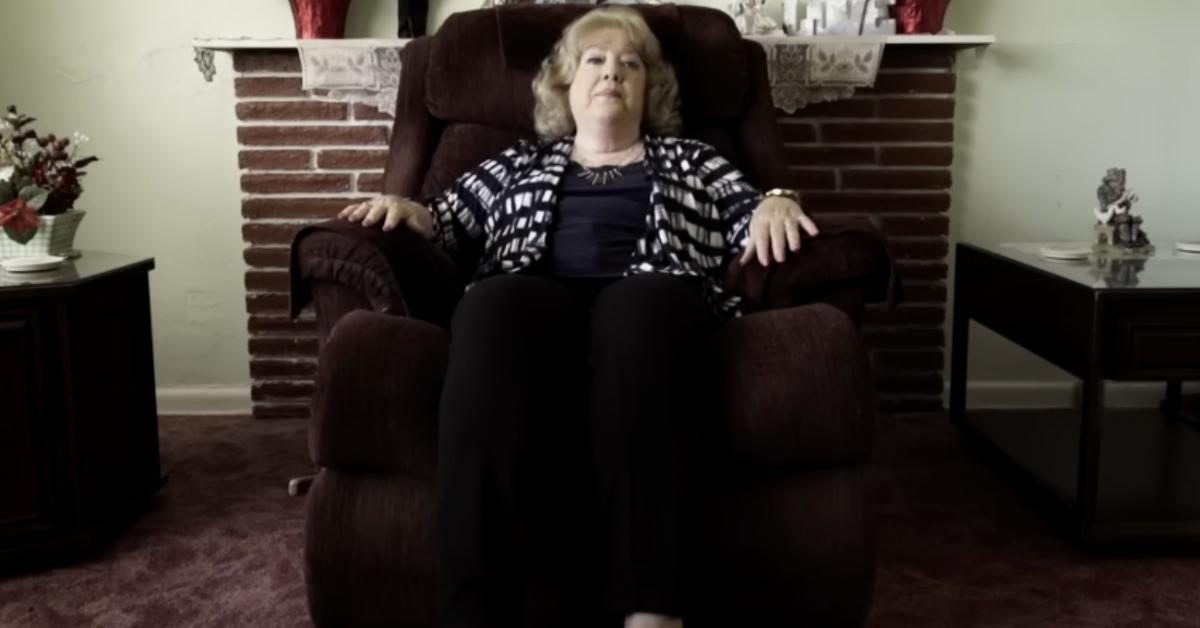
(1117, 225)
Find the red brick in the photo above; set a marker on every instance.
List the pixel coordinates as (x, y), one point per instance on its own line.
(267, 256)
(911, 338)
(916, 57)
(352, 159)
(275, 159)
(281, 325)
(928, 108)
(281, 390)
(845, 108)
(367, 112)
(918, 248)
(271, 232)
(909, 383)
(295, 183)
(876, 202)
(273, 86)
(369, 182)
(916, 155)
(283, 346)
(921, 359)
(875, 179)
(267, 303)
(892, 404)
(266, 281)
(797, 132)
(250, 61)
(935, 225)
(300, 110)
(911, 83)
(321, 208)
(925, 293)
(810, 179)
(311, 135)
(917, 270)
(283, 368)
(872, 132)
(829, 155)
(281, 410)
(905, 315)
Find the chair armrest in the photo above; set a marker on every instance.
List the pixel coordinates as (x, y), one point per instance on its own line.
(398, 271)
(796, 389)
(379, 381)
(847, 265)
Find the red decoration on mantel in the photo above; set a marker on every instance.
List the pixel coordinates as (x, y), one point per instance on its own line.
(920, 16)
(320, 19)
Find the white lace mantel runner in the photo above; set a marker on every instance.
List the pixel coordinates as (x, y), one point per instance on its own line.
(801, 70)
(358, 70)
(804, 70)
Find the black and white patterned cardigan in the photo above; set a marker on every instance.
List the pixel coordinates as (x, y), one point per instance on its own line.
(700, 211)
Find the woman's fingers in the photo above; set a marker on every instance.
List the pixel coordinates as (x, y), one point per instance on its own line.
(748, 254)
(779, 240)
(393, 218)
(793, 236)
(810, 227)
(762, 243)
(374, 214)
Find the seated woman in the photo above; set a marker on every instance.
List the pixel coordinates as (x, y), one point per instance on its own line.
(604, 248)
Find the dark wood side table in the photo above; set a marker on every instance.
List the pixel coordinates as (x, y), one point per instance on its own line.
(78, 418)
(1125, 479)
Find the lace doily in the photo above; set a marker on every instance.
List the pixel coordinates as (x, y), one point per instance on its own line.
(360, 71)
(800, 72)
(807, 72)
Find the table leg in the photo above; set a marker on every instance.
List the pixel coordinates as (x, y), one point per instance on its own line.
(1171, 404)
(1088, 477)
(960, 329)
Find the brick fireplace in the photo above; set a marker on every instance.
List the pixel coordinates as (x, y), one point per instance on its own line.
(884, 151)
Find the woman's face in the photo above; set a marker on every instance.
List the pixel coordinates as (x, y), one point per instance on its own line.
(609, 87)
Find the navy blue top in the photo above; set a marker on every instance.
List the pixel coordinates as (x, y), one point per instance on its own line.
(597, 226)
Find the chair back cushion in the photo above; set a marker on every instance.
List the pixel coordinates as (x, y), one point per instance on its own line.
(482, 64)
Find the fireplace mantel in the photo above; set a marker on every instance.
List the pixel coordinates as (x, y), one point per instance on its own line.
(366, 70)
(218, 44)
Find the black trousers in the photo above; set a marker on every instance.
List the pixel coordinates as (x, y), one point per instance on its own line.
(566, 420)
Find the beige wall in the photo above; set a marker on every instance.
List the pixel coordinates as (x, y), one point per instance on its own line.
(122, 72)
(1072, 88)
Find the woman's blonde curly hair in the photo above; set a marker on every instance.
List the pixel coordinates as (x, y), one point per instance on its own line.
(552, 114)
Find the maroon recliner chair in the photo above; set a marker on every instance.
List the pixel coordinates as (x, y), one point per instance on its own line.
(782, 535)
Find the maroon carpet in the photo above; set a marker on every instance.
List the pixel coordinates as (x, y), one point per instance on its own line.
(222, 544)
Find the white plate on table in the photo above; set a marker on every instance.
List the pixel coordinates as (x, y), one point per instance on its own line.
(1065, 252)
(32, 264)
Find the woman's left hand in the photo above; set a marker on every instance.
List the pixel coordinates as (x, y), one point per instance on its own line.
(775, 230)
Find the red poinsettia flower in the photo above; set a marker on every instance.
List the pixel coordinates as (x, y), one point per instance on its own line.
(16, 215)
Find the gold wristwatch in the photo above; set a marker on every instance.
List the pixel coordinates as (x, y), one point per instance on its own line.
(785, 193)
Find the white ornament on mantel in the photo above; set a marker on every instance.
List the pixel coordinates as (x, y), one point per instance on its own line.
(848, 17)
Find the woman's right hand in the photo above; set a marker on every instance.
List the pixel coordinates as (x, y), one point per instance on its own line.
(391, 210)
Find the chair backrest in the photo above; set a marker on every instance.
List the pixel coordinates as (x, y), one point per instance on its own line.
(465, 92)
